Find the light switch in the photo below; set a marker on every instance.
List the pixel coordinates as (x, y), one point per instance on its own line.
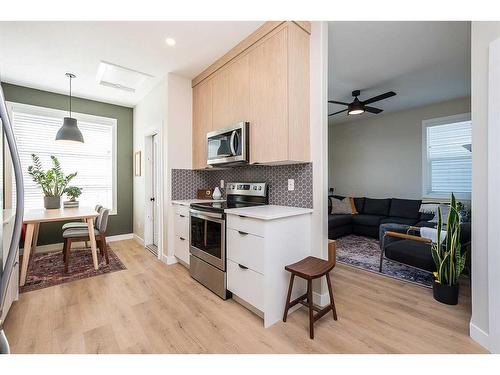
(291, 184)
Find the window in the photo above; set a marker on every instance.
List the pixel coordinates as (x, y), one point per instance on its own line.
(35, 129)
(447, 157)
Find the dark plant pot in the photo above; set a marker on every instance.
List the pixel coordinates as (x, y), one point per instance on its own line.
(52, 202)
(445, 293)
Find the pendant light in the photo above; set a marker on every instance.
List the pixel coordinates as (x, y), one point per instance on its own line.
(69, 131)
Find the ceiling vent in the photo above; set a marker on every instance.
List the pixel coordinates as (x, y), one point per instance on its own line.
(119, 77)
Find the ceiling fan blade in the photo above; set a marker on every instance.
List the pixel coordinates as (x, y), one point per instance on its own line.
(372, 109)
(336, 102)
(379, 97)
(331, 114)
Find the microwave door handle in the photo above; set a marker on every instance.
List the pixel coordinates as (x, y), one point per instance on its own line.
(234, 134)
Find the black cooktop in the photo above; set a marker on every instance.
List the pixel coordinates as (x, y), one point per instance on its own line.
(221, 206)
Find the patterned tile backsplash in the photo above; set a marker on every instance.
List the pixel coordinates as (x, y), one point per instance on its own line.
(186, 182)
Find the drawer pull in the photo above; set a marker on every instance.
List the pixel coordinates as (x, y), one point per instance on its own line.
(242, 216)
(242, 233)
(242, 266)
(182, 215)
(182, 238)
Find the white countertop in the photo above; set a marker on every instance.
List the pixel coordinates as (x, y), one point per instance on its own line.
(268, 212)
(187, 202)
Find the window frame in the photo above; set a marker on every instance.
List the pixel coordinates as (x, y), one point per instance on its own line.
(426, 178)
(100, 120)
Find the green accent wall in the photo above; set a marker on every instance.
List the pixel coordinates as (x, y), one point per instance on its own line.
(122, 222)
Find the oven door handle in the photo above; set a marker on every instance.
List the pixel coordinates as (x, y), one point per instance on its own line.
(210, 216)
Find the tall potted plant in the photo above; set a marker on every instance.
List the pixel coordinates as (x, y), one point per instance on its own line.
(52, 181)
(448, 257)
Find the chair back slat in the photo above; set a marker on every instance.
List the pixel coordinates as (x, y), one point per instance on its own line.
(102, 223)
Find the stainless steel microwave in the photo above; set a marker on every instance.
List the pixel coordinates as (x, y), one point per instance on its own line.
(228, 146)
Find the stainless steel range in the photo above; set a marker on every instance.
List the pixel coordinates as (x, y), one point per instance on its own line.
(208, 233)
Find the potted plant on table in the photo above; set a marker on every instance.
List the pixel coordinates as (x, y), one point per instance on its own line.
(448, 257)
(72, 192)
(52, 181)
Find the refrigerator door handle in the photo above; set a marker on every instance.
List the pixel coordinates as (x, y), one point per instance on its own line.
(18, 221)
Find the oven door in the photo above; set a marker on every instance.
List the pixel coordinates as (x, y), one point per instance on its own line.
(208, 237)
(228, 145)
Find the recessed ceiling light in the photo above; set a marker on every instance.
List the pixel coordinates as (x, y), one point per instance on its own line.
(170, 41)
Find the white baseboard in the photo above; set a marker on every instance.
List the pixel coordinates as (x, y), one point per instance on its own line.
(58, 246)
(479, 336)
(139, 239)
(170, 259)
(321, 299)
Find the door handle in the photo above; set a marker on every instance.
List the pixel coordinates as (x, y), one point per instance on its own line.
(182, 238)
(182, 215)
(152, 199)
(242, 233)
(242, 266)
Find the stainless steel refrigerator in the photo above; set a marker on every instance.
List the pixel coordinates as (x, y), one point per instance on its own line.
(9, 259)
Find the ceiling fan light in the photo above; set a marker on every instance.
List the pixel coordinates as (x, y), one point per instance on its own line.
(355, 111)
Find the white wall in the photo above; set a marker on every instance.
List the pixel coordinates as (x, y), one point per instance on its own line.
(483, 33)
(149, 114)
(178, 141)
(381, 156)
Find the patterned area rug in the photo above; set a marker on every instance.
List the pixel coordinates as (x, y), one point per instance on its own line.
(48, 269)
(364, 253)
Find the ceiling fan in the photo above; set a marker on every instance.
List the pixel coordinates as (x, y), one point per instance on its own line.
(357, 107)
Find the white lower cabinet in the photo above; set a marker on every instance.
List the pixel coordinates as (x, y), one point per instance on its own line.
(181, 233)
(257, 253)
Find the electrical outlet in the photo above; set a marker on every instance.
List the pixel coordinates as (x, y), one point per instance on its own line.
(222, 184)
(291, 184)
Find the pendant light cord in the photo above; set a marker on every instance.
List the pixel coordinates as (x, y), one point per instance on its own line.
(70, 95)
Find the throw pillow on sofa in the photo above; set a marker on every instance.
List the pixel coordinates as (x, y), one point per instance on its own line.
(341, 206)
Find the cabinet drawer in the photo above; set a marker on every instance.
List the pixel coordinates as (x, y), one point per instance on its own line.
(181, 225)
(181, 210)
(181, 249)
(246, 249)
(246, 224)
(246, 284)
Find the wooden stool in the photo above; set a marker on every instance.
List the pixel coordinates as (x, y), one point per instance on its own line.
(311, 268)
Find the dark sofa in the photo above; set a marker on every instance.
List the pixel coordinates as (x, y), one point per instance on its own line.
(372, 213)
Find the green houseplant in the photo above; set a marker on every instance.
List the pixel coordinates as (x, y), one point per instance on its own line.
(53, 181)
(72, 192)
(448, 256)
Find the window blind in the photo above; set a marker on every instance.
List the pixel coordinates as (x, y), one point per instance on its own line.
(35, 130)
(449, 163)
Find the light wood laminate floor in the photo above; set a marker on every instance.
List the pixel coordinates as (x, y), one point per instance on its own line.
(155, 308)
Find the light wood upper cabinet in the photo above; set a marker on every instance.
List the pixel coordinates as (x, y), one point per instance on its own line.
(231, 94)
(265, 83)
(202, 122)
(268, 100)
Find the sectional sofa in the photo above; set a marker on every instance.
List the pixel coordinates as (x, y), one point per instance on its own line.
(373, 212)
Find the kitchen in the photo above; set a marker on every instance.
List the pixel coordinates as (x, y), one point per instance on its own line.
(250, 140)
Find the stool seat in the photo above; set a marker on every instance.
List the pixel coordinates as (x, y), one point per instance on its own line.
(310, 268)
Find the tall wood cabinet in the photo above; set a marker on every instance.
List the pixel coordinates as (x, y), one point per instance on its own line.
(265, 81)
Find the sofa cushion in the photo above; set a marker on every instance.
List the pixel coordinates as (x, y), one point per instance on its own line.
(339, 220)
(359, 203)
(398, 220)
(376, 206)
(407, 208)
(369, 220)
(413, 253)
(424, 216)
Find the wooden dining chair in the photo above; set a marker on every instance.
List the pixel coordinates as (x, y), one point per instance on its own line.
(82, 234)
(311, 268)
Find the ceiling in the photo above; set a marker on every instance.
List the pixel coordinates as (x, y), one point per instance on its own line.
(38, 54)
(423, 62)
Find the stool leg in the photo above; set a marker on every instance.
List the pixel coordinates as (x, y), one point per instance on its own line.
(311, 311)
(332, 301)
(289, 295)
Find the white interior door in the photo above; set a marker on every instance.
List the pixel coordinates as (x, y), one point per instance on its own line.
(155, 209)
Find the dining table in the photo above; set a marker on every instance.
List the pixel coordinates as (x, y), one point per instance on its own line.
(34, 217)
